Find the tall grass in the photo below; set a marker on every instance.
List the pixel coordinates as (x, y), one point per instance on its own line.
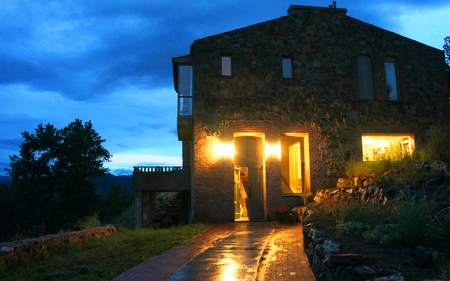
(89, 221)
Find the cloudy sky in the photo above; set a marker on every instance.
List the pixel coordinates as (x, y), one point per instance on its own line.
(110, 62)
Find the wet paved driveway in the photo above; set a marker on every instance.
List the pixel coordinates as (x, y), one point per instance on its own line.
(232, 252)
(235, 257)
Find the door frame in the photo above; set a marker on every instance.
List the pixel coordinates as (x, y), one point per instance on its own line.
(262, 136)
(307, 175)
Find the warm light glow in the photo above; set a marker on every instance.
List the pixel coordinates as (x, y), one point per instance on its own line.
(229, 269)
(383, 147)
(225, 150)
(366, 140)
(273, 150)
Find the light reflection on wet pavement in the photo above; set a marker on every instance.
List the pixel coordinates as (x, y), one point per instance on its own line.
(236, 257)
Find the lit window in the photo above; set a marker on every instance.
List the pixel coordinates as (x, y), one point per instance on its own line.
(287, 68)
(391, 78)
(226, 66)
(185, 90)
(387, 147)
(365, 82)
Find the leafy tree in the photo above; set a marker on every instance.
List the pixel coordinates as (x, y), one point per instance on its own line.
(447, 59)
(51, 174)
(115, 203)
(6, 224)
(447, 51)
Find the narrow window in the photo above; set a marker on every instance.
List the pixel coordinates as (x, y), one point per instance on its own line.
(365, 82)
(391, 78)
(226, 66)
(287, 68)
(185, 90)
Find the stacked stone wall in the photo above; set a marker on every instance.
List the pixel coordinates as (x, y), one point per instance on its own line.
(19, 252)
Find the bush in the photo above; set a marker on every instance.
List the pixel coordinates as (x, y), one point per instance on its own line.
(438, 143)
(414, 215)
(351, 227)
(89, 221)
(386, 235)
(370, 214)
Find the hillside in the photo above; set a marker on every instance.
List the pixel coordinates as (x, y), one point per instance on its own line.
(103, 183)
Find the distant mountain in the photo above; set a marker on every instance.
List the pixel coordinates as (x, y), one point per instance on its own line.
(5, 179)
(103, 183)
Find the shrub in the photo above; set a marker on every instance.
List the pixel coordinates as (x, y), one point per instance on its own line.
(386, 235)
(351, 227)
(89, 221)
(414, 215)
(438, 143)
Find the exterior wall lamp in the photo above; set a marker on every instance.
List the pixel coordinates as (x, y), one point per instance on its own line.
(274, 150)
(225, 150)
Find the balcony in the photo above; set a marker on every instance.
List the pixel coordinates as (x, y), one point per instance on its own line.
(161, 179)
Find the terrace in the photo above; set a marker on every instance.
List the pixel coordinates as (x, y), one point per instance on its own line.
(149, 180)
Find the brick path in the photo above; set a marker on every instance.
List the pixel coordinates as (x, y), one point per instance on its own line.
(164, 265)
(285, 258)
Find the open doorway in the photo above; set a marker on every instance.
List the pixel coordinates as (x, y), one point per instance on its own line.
(249, 185)
(295, 163)
(241, 193)
(295, 168)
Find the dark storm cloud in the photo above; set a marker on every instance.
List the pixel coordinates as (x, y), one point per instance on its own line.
(86, 49)
(132, 43)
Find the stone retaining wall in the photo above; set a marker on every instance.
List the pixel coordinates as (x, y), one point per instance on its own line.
(16, 252)
(328, 264)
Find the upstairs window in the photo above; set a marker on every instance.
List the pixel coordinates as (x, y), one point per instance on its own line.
(365, 82)
(226, 65)
(287, 68)
(185, 90)
(391, 78)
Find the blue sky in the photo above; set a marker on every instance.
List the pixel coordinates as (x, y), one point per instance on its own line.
(110, 62)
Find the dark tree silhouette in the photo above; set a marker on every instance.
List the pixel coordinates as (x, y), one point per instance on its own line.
(50, 176)
(447, 51)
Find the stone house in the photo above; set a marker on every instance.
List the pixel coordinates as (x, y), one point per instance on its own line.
(271, 111)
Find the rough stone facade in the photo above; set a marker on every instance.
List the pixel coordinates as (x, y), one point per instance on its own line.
(321, 99)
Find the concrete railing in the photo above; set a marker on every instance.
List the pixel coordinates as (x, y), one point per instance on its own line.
(157, 169)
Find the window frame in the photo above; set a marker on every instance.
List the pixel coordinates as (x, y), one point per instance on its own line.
(182, 96)
(365, 77)
(226, 66)
(392, 62)
(287, 70)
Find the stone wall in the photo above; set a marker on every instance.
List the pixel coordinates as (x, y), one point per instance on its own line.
(321, 99)
(17, 252)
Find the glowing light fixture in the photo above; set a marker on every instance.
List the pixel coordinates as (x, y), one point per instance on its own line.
(273, 150)
(225, 150)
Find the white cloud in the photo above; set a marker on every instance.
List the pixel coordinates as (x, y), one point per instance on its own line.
(426, 25)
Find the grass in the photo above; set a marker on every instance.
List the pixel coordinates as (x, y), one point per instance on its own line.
(89, 221)
(106, 258)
